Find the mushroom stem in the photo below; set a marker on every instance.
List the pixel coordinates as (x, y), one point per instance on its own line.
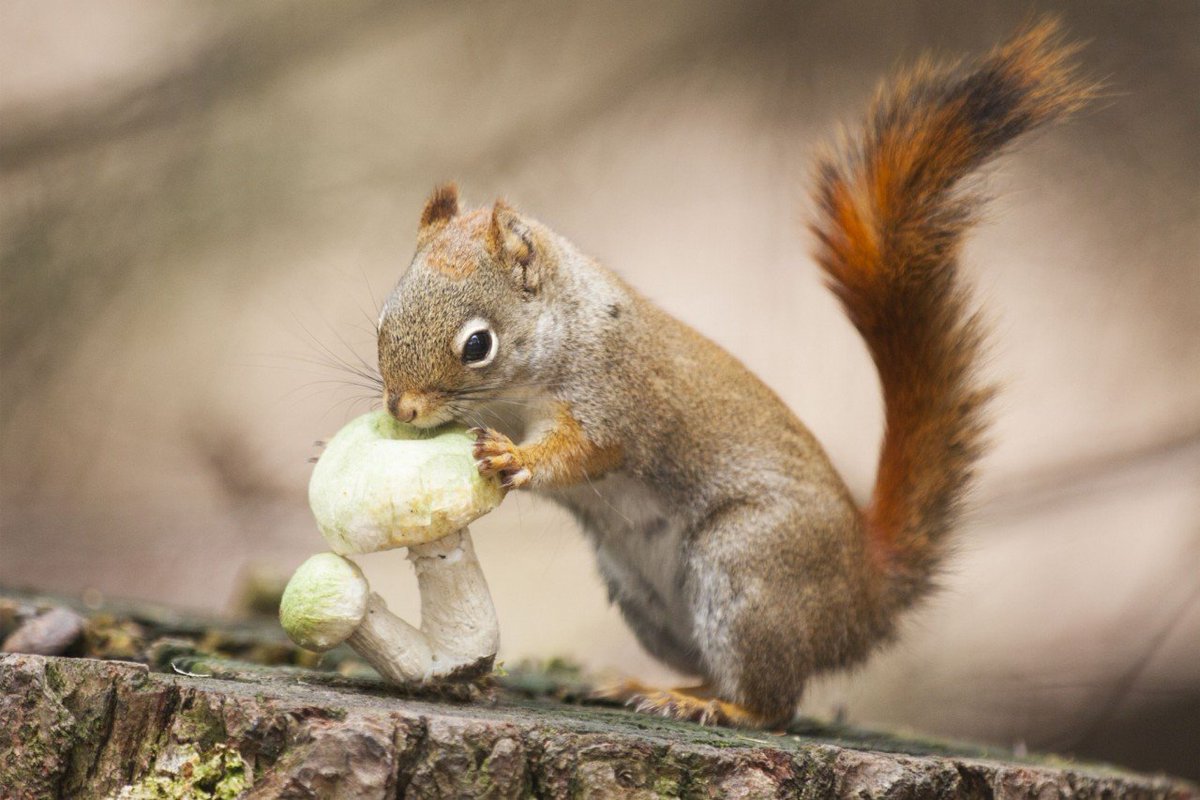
(457, 614)
(459, 633)
(398, 651)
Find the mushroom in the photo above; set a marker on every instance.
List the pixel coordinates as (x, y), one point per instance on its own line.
(328, 601)
(382, 484)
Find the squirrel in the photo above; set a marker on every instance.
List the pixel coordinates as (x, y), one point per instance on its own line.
(730, 543)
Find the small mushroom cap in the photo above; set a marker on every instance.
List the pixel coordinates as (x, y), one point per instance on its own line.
(381, 483)
(324, 602)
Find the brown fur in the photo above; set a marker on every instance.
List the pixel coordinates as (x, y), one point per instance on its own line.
(455, 252)
(441, 207)
(564, 457)
(729, 542)
(892, 217)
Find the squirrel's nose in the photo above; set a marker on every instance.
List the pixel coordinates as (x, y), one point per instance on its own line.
(403, 406)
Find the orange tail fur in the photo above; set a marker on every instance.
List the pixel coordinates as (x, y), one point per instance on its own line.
(892, 214)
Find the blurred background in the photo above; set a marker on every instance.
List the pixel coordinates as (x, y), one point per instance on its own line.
(203, 205)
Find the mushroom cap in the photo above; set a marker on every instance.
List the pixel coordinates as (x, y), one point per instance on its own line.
(324, 602)
(381, 483)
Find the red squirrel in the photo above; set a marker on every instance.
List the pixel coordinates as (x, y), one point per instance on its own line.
(724, 534)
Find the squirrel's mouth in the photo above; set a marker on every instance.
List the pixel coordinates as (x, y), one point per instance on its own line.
(418, 408)
(439, 416)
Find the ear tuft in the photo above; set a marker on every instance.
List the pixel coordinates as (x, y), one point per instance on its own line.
(510, 241)
(441, 207)
(508, 235)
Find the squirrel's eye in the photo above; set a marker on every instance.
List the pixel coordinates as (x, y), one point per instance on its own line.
(477, 347)
(476, 343)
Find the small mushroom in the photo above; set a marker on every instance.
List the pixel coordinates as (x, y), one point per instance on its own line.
(328, 602)
(382, 484)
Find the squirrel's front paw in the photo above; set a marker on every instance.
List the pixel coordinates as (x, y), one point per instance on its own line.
(495, 454)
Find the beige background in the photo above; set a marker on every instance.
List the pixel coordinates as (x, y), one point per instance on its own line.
(202, 203)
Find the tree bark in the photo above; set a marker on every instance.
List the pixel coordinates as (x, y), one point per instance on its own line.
(158, 704)
(87, 728)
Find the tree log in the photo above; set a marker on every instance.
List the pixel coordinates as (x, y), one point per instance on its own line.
(216, 708)
(87, 728)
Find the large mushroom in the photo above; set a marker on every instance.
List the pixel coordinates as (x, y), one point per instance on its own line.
(382, 484)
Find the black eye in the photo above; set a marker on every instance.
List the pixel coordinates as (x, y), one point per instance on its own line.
(477, 347)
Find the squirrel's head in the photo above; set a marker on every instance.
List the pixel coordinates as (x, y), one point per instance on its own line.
(459, 327)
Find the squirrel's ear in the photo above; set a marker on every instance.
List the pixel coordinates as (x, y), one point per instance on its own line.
(441, 206)
(510, 241)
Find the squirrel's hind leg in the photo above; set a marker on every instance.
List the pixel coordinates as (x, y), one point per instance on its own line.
(749, 588)
(771, 602)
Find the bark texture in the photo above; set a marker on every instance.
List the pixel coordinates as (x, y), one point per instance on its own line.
(89, 728)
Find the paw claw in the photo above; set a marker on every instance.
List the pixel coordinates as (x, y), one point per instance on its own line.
(515, 480)
(499, 463)
(495, 454)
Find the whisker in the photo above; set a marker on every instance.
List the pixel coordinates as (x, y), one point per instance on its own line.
(336, 364)
(499, 420)
(367, 367)
(489, 388)
(374, 323)
(470, 416)
(592, 485)
(303, 371)
(376, 303)
(333, 359)
(482, 401)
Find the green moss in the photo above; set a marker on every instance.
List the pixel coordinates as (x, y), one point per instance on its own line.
(666, 786)
(200, 724)
(221, 774)
(54, 679)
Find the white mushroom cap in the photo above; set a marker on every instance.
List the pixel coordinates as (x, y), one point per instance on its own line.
(381, 484)
(324, 602)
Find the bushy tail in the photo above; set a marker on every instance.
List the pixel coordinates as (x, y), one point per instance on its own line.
(891, 218)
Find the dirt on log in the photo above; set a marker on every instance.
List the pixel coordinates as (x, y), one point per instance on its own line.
(87, 728)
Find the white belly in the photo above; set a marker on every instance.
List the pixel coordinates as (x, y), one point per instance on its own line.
(639, 543)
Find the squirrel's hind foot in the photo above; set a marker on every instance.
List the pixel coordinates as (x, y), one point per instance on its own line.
(688, 704)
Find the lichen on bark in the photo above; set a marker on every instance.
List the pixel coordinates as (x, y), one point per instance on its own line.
(187, 774)
(85, 728)
(219, 708)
